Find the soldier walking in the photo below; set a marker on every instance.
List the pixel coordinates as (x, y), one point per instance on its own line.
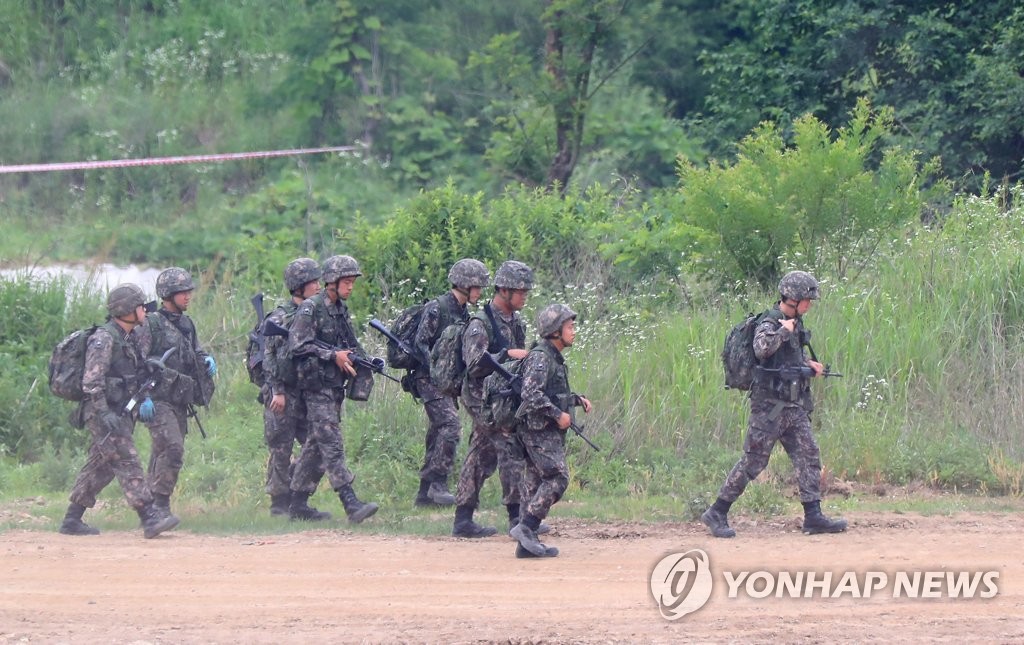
(185, 381)
(546, 413)
(780, 411)
(113, 374)
(323, 369)
(467, 278)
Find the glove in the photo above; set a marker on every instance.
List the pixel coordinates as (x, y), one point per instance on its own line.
(147, 411)
(211, 366)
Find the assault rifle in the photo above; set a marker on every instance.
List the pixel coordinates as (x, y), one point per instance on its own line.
(190, 412)
(373, 363)
(156, 366)
(515, 384)
(794, 373)
(256, 335)
(379, 326)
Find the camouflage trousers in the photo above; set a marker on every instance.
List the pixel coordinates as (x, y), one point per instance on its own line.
(111, 455)
(444, 430)
(324, 449)
(546, 475)
(168, 452)
(792, 428)
(490, 449)
(281, 432)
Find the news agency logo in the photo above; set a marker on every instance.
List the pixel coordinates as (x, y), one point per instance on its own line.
(681, 583)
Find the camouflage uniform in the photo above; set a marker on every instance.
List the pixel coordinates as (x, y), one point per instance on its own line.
(174, 393)
(490, 447)
(323, 390)
(111, 377)
(282, 430)
(444, 428)
(779, 411)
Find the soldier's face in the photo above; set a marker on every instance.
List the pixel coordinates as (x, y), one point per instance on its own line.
(568, 332)
(345, 287)
(803, 307)
(474, 295)
(517, 298)
(182, 300)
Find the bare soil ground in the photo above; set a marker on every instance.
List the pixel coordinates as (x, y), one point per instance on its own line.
(332, 585)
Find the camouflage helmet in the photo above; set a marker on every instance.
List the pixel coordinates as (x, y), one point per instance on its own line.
(468, 273)
(513, 275)
(551, 318)
(337, 267)
(300, 272)
(798, 285)
(173, 280)
(123, 299)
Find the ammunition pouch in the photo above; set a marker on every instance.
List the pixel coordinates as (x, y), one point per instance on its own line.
(360, 386)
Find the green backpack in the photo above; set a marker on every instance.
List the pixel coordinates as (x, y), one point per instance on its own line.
(738, 356)
(67, 365)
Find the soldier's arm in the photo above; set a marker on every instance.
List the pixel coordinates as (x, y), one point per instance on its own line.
(426, 330)
(98, 353)
(474, 346)
(302, 335)
(768, 337)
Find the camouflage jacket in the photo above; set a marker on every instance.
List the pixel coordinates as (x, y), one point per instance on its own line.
(481, 338)
(775, 347)
(162, 331)
(437, 314)
(318, 319)
(278, 365)
(113, 370)
(545, 393)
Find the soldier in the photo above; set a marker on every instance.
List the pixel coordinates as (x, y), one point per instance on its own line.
(187, 372)
(284, 415)
(321, 340)
(499, 331)
(780, 410)
(546, 413)
(467, 278)
(113, 374)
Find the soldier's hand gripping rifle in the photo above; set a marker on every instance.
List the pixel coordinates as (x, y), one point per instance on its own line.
(515, 384)
(155, 367)
(372, 363)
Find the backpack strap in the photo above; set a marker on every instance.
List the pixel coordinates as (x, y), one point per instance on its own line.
(494, 336)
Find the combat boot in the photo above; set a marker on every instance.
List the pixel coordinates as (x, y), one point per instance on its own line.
(465, 527)
(522, 553)
(356, 510)
(527, 538)
(541, 530)
(162, 501)
(718, 522)
(816, 522)
(439, 495)
(299, 509)
(279, 504)
(156, 520)
(73, 524)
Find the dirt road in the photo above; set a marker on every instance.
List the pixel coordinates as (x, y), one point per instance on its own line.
(335, 586)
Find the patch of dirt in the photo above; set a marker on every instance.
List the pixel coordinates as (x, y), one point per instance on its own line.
(332, 585)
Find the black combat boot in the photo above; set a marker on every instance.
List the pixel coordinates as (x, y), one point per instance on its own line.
(299, 508)
(156, 520)
(716, 518)
(356, 510)
(421, 495)
(162, 501)
(279, 504)
(465, 527)
(816, 522)
(514, 519)
(73, 524)
(525, 531)
(522, 553)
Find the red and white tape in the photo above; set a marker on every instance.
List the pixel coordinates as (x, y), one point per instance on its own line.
(166, 161)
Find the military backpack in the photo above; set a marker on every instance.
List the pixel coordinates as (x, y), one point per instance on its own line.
(738, 358)
(67, 365)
